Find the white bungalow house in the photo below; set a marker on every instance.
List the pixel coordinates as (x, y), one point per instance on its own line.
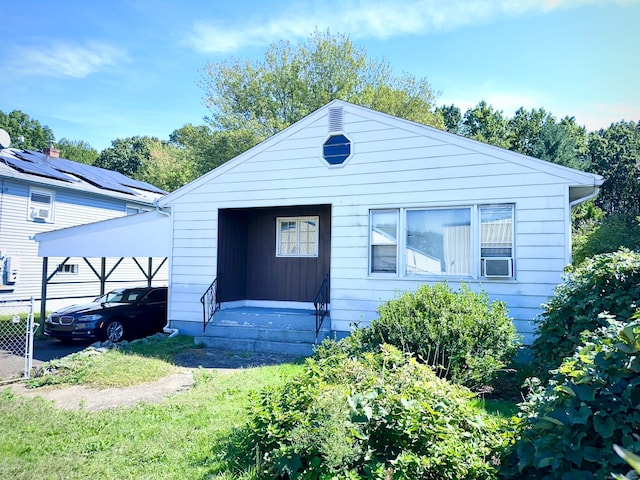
(377, 205)
(348, 207)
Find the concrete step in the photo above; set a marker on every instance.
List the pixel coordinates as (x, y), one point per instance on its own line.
(270, 330)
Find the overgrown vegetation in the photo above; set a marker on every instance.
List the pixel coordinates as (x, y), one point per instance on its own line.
(464, 336)
(607, 283)
(378, 415)
(596, 234)
(186, 436)
(590, 405)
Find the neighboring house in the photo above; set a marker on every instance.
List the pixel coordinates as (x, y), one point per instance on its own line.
(40, 192)
(380, 205)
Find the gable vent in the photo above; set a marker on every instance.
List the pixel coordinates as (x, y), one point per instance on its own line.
(336, 117)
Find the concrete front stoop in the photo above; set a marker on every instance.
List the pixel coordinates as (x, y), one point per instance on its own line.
(268, 330)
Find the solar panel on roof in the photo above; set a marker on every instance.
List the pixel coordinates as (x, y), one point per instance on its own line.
(36, 169)
(37, 163)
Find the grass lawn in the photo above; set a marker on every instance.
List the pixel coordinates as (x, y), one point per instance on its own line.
(190, 435)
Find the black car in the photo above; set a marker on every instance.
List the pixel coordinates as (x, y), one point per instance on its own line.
(126, 313)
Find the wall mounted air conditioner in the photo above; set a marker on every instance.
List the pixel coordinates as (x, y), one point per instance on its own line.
(40, 213)
(497, 267)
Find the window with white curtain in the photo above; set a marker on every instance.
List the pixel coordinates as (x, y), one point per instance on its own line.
(471, 241)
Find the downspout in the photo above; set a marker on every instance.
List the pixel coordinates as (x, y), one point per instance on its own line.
(167, 328)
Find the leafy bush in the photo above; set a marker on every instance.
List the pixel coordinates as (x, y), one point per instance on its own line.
(380, 416)
(605, 235)
(590, 405)
(605, 283)
(463, 335)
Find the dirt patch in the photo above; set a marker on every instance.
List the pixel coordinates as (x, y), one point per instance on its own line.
(78, 397)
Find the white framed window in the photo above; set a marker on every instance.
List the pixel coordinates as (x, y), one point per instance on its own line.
(383, 240)
(297, 236)
(496, 240)
(41, 204)
(475, 241)
(68, 269)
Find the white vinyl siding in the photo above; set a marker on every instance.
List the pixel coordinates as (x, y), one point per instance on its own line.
(71, 208)
(394, 165)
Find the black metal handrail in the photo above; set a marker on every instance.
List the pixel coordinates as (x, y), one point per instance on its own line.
(210, 303)
(321, 303)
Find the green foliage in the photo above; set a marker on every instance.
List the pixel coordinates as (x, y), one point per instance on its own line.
(464, 336)
(78, 151)
(452, 117)
(485, 124)
(380, 416)
(605, 283)
(34, 135)
(605, 235)
(264, 97)
(614, 153)
(126, 155)
(590, 405)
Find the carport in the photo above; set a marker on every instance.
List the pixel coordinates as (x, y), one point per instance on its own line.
(145, 235)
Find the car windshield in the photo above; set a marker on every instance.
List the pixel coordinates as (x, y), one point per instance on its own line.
(121, 296)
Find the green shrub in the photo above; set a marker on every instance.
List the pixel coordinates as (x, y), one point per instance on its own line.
(605, 283)
(590, 405)
(380, 416)
(463, 335)
(605, 235)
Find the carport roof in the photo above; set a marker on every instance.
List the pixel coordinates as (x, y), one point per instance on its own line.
(143, 235)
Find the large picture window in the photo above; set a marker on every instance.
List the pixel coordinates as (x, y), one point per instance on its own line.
(438, 242)
(297, 237)
(471, 241)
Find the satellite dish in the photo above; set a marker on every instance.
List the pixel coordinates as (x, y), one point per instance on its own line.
(5, 139)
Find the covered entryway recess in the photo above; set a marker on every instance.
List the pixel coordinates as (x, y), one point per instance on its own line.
(274, 254)
(273, 280)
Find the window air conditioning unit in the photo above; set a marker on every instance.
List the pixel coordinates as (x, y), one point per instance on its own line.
(497, 267)
(41, 214)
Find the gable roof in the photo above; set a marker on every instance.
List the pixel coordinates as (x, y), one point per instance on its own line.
(42, 169)
(582, 184)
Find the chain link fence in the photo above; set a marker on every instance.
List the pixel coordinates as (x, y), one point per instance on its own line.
(17, 329)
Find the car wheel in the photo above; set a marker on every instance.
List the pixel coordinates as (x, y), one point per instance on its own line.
(114, 331)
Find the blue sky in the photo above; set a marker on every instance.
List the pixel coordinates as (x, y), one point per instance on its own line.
(101, 70)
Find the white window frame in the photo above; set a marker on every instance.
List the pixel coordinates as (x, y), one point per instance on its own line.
(476, 259)
(372, 243)
(298, 221)
(36, 208)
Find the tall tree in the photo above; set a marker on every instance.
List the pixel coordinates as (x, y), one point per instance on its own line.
(485, 124)
(614, 153)
(126, 155)
(25, 131)
(451, 116)
(525, 128)
(78, 151)
(168, 167)
(263, 97)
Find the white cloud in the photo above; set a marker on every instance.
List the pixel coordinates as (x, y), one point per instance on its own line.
(368, 19)
(61, 59)
(601, 115)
